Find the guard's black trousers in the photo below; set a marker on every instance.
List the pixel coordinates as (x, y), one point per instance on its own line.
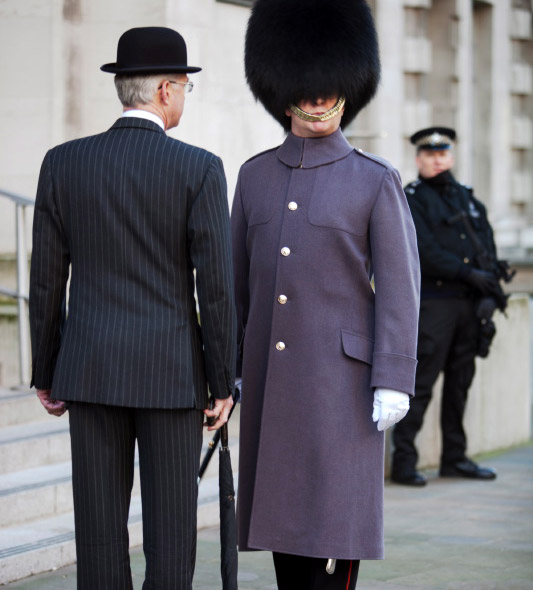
(103, 449)
(294, 572)
(447, 341)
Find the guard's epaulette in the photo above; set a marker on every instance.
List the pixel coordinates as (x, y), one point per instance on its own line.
(411, 187)
(262, 154)
(375, 158)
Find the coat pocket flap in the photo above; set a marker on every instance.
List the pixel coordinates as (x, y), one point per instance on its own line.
(357, 347)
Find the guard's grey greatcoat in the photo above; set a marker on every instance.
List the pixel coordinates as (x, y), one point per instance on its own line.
(312, 221)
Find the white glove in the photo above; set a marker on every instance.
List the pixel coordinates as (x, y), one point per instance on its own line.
(390, 406)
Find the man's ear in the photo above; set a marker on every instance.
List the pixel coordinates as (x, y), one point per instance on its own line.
(164, 93)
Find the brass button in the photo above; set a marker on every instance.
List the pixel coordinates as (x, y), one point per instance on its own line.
(293, 206)
(280, 345)
(282, 299)
(466, 260)
(285, 251)
(463, 237)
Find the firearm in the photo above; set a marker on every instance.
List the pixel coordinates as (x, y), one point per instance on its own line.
(486, 261)
(496, 298)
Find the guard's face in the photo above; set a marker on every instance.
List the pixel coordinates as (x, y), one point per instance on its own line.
(319, 106)
(433, 162)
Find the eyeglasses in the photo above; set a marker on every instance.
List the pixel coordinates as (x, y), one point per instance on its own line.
(187, 86)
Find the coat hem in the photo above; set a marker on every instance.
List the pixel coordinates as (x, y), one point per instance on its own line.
(370, 556)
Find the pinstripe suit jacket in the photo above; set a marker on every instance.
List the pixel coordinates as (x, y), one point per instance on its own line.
(132, 213)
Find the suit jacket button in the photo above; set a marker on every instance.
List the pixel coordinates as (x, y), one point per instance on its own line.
(466, 260)
(282, 299)
(280, 346)
(285, 251)
(293, 206)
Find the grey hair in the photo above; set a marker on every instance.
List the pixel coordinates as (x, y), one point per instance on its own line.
(137, 90)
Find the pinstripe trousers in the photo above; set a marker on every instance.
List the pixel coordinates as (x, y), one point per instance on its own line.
(103, 447)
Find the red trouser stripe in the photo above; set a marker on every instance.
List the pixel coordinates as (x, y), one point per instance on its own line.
(349, 576)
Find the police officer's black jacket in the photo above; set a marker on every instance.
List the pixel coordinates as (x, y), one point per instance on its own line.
(447, 254)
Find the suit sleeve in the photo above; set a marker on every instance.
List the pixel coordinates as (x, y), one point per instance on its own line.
(210, 250)
(241, 264)
(397, 288)
(48, 279)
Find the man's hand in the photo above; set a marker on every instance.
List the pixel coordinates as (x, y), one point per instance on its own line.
(485, 282)
(220, 413)
(390, 406)
(52, 406)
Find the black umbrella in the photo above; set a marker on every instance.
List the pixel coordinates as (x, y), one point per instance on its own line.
(228, 527)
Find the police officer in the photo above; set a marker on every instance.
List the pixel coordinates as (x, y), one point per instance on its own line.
(452, 288)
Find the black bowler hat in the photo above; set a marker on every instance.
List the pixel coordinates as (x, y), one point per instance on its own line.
(150, 50)
(433, 138)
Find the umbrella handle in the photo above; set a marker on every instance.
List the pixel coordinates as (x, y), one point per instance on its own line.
(224, 437)
(213, 445)
(224, 431)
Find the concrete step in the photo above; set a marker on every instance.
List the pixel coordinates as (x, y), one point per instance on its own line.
(20, 406)
(48, 543)
(24, 446)
(44, 491)
(41, 492)
(35, 493)
(36, 513)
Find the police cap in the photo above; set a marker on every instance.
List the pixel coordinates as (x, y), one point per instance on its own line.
(433, 138)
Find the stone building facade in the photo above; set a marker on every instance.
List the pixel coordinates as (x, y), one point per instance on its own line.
(460, 63)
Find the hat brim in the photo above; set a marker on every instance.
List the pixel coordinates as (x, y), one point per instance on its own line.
(113, 68)
(434, 148)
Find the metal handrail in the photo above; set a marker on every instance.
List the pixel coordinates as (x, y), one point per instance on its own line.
(21, 294)
(19, 199)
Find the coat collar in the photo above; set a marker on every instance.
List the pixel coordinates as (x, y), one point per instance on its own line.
(136, 123)
(300, 152)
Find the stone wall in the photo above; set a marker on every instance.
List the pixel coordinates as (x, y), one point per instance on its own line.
(53, 90)
(454, 62)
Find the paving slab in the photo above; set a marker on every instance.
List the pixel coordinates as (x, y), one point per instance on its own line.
(454, 534)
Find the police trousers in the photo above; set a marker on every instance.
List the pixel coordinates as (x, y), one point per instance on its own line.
(447, 341)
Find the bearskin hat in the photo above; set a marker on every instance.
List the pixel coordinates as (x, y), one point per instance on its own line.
(306, 49)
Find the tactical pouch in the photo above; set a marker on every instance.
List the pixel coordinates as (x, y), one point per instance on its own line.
(487, 331)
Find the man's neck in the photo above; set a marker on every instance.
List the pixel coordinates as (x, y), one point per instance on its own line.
(442, 178)
(157, 115)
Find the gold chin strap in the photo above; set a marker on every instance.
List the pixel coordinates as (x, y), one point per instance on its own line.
(333, 112)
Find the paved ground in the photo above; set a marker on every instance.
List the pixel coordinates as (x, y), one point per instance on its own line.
(452, 535)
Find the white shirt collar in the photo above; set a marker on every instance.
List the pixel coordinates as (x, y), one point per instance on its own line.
(140, 114)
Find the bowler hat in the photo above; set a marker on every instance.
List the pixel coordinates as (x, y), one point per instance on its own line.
(150, 50)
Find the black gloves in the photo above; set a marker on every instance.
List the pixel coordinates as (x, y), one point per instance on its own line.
(485, 282)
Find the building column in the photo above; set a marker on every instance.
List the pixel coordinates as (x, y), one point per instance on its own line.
(465, 91)
(499, 125)
(387, 123)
